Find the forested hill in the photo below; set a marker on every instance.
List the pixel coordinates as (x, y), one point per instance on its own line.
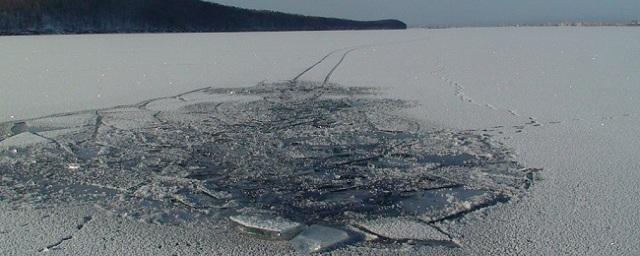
(130, 16)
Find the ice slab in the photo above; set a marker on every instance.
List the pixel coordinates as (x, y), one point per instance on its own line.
(62, 122)
(166, 104)
(128, 118)
(403, 229)
(433, 205)
(266, 225)
(54, 134)
(317, 238)
(24, 139)
(196, 201)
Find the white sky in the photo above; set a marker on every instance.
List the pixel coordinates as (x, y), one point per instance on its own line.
(457, 12)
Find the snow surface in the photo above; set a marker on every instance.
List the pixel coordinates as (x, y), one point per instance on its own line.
(564, 98)
(579, 84)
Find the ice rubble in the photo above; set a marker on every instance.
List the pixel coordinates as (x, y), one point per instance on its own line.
(311, 155)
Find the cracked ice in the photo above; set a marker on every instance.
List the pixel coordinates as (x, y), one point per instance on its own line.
(307, 153)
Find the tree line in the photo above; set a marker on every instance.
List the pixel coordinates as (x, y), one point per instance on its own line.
(130, 16)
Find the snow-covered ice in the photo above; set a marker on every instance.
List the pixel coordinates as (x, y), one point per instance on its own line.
(563, 99)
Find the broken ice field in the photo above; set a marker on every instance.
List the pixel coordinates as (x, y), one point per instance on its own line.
(320, 166)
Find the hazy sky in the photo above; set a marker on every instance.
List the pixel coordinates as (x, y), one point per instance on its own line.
(457, 12)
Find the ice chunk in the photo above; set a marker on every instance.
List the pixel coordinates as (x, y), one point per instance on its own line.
(267, 225)
(317, 238)
(56, 134)
(403, 229)
(23, 140)
(196, 200)
(215, 194)
(128, 118)
(73, 166)
(62, 122)
(433, 205)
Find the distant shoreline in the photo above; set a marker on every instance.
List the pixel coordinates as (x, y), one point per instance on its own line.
(192, 32)
(36, 33)
(39, 17)
(285, 31)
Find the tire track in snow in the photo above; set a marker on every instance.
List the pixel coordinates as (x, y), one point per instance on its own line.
(360, 47)
(344, 56)
(143, 104)
(349, 50)
(295, 79)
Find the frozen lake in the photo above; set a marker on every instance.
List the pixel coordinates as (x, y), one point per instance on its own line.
(564, 99)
